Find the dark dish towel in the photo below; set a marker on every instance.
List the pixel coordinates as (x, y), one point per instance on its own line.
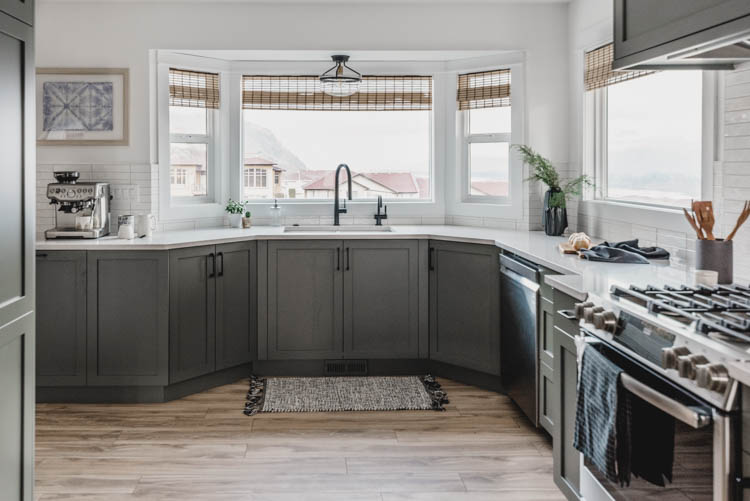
(626, 251)
(601, 432)
(651, 442)
(647, 252)
(605, 253)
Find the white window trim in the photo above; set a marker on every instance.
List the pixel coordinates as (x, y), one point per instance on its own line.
(445, 164)
(209, 139)
(198, 207)
(460, 202)
(594, 159)
(467, 139)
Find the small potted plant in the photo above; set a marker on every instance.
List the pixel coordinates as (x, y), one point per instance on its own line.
(235, 210)
(555, 217)
(246, 221)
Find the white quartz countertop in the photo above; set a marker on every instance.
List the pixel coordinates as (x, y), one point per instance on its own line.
(578, 276)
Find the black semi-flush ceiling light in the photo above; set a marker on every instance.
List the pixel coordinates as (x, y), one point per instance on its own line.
(340, 80)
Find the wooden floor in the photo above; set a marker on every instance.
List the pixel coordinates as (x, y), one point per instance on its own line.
(203, 448)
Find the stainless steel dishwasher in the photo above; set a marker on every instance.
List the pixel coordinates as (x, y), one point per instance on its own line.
(519, 299)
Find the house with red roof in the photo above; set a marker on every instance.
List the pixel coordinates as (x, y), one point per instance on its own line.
(370, 185)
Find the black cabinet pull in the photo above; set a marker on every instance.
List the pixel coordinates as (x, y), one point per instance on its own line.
(347, 259)
(213, 265)
(220, 255)
(431, 259)
(338, 259)
(40, 254)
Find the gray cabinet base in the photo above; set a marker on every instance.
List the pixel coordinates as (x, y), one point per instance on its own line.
(141, 394)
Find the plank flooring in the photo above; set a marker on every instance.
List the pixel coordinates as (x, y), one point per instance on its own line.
(203, 448)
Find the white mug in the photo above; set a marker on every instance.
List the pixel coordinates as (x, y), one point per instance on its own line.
(144, 225)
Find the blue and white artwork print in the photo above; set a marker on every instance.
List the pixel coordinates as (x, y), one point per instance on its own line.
(77, 106)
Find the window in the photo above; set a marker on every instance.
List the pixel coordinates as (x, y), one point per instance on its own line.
(383, 132)
(649, 129)
(255, 178)
(485, 110)
(192, 103)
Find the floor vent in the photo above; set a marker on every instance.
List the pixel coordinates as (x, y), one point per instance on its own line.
(345, 368)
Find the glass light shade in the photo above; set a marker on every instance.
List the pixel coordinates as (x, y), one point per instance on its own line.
(340, 88)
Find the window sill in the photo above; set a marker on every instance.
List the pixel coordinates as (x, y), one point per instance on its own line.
(633, 213)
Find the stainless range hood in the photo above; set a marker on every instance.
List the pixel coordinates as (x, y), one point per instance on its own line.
(681, 34)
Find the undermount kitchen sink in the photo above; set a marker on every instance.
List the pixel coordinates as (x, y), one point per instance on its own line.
(349, 228)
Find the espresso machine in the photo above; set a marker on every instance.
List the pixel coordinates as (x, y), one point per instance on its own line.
(82, 208)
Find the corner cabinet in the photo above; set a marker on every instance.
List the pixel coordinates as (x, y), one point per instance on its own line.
(127, 299)
(343, 299)
(212, 309)
(465, 305)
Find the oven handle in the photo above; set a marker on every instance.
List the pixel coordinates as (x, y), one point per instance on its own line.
(691, 416)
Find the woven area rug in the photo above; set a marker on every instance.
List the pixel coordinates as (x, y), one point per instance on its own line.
(330, 394)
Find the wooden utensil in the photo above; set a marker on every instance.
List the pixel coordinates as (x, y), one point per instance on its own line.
(704, 214)
(740, 220)
(694, 224)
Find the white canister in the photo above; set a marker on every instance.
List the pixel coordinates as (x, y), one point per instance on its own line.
(126, 231)
(144, 225)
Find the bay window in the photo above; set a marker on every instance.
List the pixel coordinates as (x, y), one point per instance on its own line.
(484, 105)
(383, 132)
(644, 133)
(193, 101)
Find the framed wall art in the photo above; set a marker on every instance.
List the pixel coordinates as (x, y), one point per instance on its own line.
(82, 106)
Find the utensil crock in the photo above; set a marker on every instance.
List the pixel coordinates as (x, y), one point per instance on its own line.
(716, 255)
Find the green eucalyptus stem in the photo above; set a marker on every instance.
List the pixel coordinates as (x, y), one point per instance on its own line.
(543, 170)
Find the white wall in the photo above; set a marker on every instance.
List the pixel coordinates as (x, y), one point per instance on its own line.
(120, 34)
(590, 24)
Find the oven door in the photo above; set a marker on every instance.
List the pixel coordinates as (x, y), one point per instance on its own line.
(703, 447)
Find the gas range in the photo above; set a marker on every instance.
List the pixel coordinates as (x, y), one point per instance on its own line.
(687, 335)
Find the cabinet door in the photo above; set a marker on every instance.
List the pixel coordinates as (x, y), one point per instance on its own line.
(305, 299)
(236, 305)
(567, 460)
(192, 312)
(61, 318)
(17, 409)
(465, 305)
(546, 397)
(128, 293)
(657, 28)
(381, 299)
(20, 9)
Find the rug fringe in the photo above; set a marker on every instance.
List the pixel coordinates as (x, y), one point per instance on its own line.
(438, 396)
(255, 396)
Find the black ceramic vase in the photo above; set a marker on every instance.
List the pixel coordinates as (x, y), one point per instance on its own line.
(555, 218)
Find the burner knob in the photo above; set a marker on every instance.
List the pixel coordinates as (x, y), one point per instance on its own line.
(686, 365)
(714, 377)
(588, 313)
(580, 307)
(669, 356)
(606, 321)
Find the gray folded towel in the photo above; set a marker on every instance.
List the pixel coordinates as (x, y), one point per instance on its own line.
(599, 434)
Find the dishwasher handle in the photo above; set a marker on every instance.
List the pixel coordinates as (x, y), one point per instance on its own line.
(520, 267)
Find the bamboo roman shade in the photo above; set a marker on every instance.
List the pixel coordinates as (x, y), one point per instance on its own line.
(193, 89)
(376, 93)
(484, 89)
(599, 72)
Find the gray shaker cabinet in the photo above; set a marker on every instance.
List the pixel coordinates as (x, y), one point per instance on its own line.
(236, 304)
(305, 299)
(127, 298)
(192, 312)
(61, 318)
(566, 459)
(465, 305)
(20, 9)
(381, 299)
